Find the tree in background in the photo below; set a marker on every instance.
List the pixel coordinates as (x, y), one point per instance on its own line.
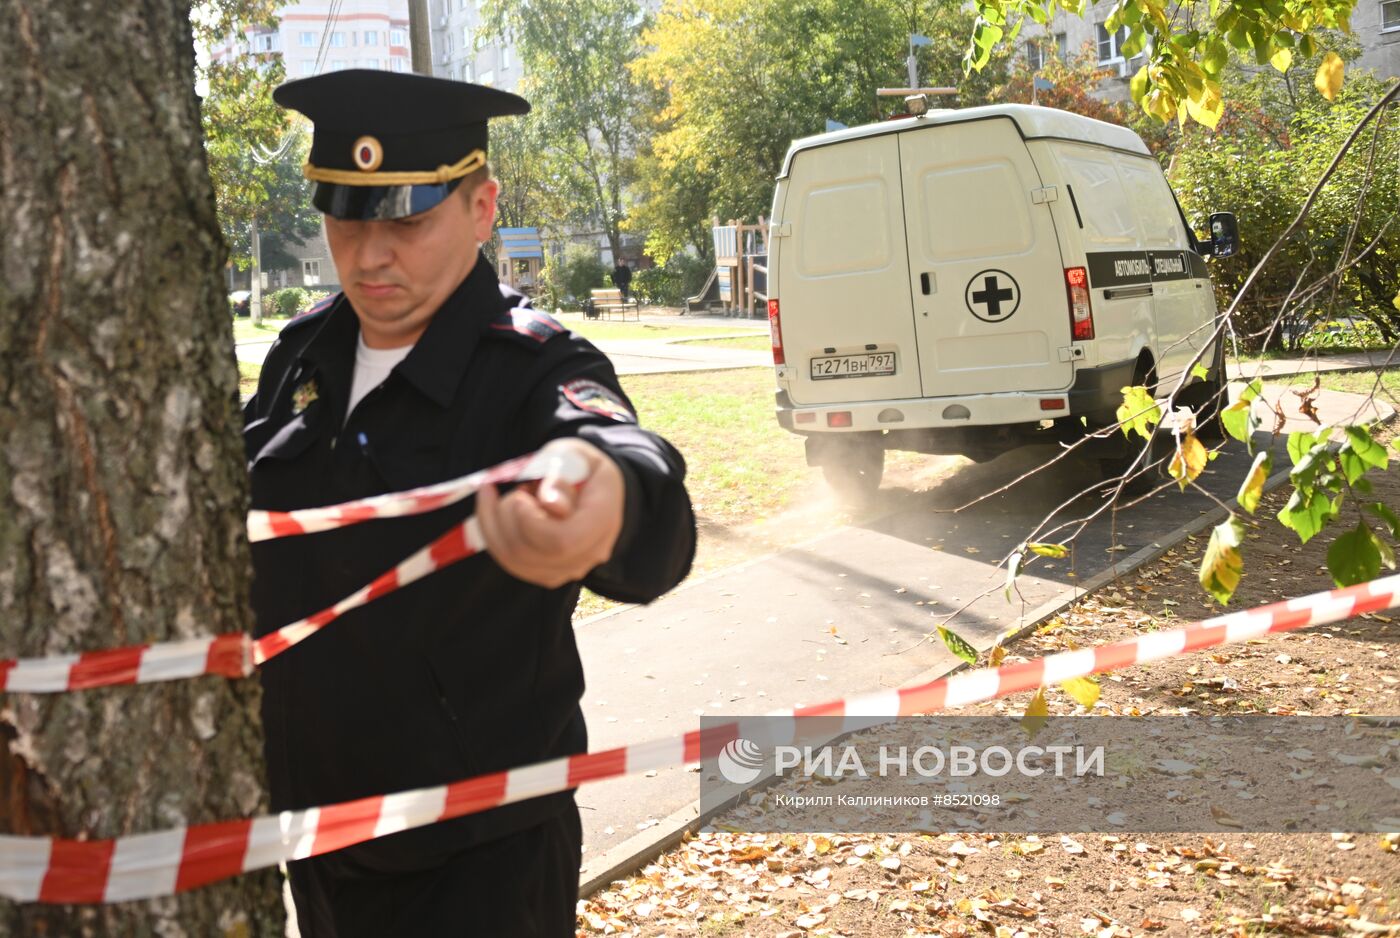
(239, 119)
(1074, 77)
(286, 217)
(744, 78)
(1274, 142)
(587, 104)
(538, 190)
(123, 490)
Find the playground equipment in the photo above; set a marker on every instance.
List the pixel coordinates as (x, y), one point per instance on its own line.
(519, 258)
(739, 282)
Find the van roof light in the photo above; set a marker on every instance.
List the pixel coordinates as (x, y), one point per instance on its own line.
(916, 104)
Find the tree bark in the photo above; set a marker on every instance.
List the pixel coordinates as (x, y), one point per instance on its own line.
(122, 488)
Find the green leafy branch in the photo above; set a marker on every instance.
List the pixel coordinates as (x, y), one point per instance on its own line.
(1323, 476)
(1184, 66)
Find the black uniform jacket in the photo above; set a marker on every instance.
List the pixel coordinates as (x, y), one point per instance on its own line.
(468, 670)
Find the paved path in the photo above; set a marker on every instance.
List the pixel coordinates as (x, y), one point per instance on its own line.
(759, 636)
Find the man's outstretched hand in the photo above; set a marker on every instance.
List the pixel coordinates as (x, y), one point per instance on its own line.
(553, 531)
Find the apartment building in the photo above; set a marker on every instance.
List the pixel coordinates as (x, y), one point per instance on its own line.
(458, 54)
(332, 35)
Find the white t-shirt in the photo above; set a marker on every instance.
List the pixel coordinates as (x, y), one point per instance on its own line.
(372, 366)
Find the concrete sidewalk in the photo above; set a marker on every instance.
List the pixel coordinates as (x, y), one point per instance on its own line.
(1288, 367)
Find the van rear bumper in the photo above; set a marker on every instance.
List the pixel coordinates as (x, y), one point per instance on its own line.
(1094, 390)
(922, 412)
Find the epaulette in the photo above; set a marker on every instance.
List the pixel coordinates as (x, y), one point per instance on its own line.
(315, 313)
(532, 324)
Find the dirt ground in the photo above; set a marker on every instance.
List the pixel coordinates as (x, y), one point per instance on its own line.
(1009, 885)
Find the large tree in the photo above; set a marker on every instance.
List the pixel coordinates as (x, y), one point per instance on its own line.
(122, 490)
(743, 78)
(587, 103)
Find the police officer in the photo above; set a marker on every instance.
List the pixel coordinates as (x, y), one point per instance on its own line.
(424, 369)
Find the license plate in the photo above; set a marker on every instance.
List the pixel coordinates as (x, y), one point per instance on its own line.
(852, 366)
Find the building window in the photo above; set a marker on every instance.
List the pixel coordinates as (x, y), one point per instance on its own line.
(396, 37)
(311, 272)
(1390, 15)
(337, 40)
(371, 37)
(1061, 40)
(1110, 44)
(308, 67)
(505, 57)
(266, 42)
(398, 64)
(487, 78)
(466, 37)
(1035, 54)
(337, 65)
(371, 63)
(306, 39)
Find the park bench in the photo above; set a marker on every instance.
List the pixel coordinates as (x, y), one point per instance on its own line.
(604, 302)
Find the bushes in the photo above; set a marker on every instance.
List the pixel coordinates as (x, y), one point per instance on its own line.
(291, 301)
(1260, 163)
(567, 282)
(1343, 334)
(669, 285)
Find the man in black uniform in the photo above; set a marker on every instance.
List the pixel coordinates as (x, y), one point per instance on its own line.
(424, 369)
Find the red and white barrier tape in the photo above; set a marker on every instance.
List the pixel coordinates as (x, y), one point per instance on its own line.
(236, 655)
(44, 869)
(266, 525)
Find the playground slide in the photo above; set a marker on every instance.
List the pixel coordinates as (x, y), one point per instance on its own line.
(708, 295)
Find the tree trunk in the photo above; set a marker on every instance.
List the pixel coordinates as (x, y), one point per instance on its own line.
(122, 488)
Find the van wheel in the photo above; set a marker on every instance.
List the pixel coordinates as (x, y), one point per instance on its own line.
(1111, 467)
(1146, 475)
(855, 473)
(1209, 398)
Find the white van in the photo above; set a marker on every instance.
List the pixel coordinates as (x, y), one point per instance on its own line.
(970, 281)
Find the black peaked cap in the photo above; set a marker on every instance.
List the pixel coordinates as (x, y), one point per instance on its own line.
(371, 125)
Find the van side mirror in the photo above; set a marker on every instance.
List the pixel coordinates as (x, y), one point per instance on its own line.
(1224, 234)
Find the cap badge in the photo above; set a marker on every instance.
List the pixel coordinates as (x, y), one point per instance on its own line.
(368, 154)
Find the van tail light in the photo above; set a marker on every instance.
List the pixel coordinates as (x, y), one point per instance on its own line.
(775, 326)
(1081, 314)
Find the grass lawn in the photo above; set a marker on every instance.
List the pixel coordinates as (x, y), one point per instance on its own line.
(1362, 382)
(248, 378)
(245, 331)
(761, 342)
(1385, 386)
(742, 467)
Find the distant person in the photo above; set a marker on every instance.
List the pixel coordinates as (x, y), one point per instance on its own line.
(622, 279)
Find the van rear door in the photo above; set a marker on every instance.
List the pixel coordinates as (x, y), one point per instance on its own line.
(985, 267)
(843, 276)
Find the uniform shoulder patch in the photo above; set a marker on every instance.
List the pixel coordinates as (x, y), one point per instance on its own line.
(530, 323)
(595, 398)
